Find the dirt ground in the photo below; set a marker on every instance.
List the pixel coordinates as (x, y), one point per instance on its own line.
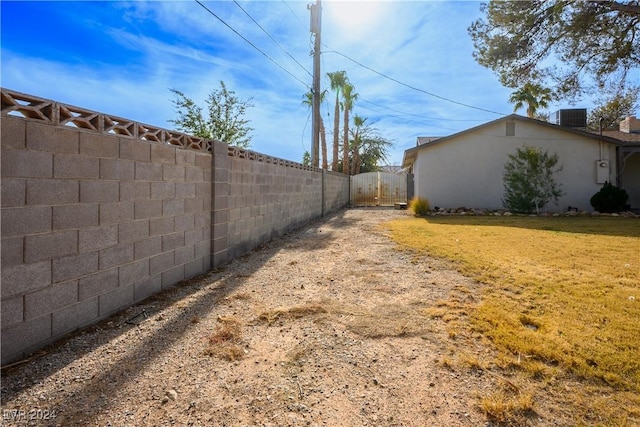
(332, 325)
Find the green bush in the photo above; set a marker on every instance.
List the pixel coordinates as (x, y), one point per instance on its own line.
(529, 180)
(419, 206)
(609, 199)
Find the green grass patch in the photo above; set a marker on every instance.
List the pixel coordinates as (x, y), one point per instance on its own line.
(564, 292)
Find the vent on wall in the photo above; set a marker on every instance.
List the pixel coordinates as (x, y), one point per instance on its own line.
(510, 129)
(572, 118)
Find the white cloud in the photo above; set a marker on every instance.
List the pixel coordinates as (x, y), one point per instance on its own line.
(148, 47)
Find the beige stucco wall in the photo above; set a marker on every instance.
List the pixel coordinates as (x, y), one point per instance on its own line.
(467, 170)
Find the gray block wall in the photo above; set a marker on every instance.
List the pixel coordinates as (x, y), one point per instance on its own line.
(336, 191)
(260, 198)
(92, 224)
(99, 213)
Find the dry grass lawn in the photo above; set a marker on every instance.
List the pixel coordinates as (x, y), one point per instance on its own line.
(562, 301)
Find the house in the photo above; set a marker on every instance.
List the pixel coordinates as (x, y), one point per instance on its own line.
(628, 159)
(466, 168)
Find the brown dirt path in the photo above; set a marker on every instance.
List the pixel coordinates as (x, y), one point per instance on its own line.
(332, 325)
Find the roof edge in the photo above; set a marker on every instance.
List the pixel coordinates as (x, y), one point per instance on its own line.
(410, 154)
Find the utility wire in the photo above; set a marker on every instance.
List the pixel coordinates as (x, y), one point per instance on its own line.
(407, 120)
(344, 56)
(413, 87)
(294, 14)
(252, 45)
(418, 115)
(272, 39)
(473, 132)
(404, 119)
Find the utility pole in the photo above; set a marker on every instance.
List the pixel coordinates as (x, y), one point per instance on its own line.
(316, 25)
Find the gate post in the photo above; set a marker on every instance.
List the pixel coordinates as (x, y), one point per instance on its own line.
(410, 189)
(379, 189)
(324, 191)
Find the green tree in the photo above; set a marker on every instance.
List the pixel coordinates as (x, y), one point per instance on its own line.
(529, 180)
(533, 96)
(373, 150)
(306, 158)
(348, 98)
(308, 100)
(337, 80)
(564, 41)
(542, 116)
(224, 120)
(358, 122)
(613, 110)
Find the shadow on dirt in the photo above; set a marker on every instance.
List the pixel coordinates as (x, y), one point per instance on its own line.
(212, 287)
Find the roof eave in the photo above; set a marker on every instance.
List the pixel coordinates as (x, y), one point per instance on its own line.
(509, 118)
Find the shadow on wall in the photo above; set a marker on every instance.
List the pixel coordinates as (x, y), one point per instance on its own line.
(212, 288)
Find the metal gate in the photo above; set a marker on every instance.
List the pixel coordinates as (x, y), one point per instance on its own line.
(378, 189)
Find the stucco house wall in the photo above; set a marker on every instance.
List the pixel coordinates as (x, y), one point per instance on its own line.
(466, 169)
(628, 134)
(630, 178)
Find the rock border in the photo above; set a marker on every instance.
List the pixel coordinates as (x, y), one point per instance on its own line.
(462, 211)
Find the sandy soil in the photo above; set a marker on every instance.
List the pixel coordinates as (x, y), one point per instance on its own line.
(332, 325)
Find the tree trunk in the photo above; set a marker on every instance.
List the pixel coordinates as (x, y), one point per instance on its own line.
(345, 146)
(355, 167)
(323, 143)
(336, 136)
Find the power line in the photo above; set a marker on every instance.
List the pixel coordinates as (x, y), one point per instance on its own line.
(252, 45)
(413, 87)
(456, 131)
(350, 59)
(418, 115)
(404, 119)
(294, 14)
(272, 39)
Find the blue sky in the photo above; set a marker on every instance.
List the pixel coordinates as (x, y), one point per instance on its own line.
(121, 58)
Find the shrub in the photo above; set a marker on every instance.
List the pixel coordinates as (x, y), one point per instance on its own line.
(529, 180)
(609, 199)
(419, 206)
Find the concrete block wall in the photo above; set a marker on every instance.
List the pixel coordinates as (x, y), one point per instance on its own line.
(267, 201)
(92, 223)
(98, 212)
(256, 200)
(336, 191)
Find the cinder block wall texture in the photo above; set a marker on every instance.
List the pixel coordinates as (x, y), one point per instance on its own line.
(257, 200)
(336, 191)
(99, 213)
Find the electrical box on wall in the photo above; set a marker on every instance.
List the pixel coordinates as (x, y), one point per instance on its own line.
(602, 171)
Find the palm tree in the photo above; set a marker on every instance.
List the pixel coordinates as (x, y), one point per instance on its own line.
(532, 94)
(338, 80)
(348, 97)
(358, 122)
(308, 100)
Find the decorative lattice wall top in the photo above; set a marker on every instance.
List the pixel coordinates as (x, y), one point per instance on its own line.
(59, 114)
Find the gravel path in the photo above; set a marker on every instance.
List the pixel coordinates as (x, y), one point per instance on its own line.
(331, 325)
